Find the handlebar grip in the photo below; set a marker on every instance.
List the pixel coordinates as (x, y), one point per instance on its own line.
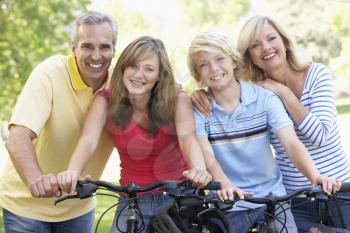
(345, 187)
(213, 185)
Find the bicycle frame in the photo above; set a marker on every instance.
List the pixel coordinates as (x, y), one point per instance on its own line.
(87, 189)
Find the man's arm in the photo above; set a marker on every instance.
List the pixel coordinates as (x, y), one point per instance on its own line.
(23, 157)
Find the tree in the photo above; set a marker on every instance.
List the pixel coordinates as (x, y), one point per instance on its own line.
(310, 23)
(30, 32)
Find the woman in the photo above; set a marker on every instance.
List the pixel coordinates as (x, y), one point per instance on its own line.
(148, 119)
(306, 91)
(236, 135)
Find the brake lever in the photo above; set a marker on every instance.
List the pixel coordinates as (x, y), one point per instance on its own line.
(84, 190)
(66, 198)
(317, 194)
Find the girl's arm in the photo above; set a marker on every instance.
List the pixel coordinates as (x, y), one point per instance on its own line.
(185, 128)
(86, 146)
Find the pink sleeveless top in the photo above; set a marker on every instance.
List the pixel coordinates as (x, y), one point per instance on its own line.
(146, 159)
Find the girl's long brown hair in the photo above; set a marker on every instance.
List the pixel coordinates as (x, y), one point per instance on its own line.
(161, 106)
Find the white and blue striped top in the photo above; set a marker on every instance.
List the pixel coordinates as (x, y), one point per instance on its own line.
(318, 131)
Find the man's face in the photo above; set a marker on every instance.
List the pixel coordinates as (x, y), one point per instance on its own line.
(94, 52)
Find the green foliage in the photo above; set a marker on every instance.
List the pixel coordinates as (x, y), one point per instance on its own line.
(214, 12)
(310, 22)
(30, 32)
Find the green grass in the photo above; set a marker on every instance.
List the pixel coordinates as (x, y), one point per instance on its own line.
(103, 203)
(343, 105)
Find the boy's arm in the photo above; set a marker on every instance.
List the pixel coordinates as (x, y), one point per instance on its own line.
(228, 189)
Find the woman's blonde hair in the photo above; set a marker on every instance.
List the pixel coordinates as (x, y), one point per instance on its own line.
(248, 34)
(212, 42)
(162, 102)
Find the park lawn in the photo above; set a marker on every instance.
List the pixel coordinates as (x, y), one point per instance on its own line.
(103, 203)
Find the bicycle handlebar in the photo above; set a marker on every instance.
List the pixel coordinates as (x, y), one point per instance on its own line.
(311, 192)
(86, 189)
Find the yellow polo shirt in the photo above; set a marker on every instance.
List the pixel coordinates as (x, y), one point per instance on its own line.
(53, 104)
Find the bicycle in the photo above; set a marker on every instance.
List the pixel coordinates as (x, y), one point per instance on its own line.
(271, 201)
(174, 188)
(203, 202)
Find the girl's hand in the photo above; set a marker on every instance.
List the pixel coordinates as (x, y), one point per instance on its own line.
(330, 185)
(67, 180)
(199, 177)
(200, 100)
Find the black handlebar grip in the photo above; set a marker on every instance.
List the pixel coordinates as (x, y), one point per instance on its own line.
(345, 187)
(213, 185)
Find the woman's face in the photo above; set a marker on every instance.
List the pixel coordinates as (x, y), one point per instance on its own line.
(268, 51)
(214, 69)
(141, 77)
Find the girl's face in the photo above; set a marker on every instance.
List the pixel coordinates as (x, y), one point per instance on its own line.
(141, 77)
(214, 69)
(268, 50)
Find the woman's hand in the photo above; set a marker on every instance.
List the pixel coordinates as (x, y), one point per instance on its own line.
(67, 180)
(199, 177)
(229, 191)
(271, 85)
(200, 100)
(330, 185)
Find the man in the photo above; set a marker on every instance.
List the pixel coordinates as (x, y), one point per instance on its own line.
(45, 127)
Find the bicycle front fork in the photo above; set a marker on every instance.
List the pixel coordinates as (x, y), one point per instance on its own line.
(131, 226)
(270, 219)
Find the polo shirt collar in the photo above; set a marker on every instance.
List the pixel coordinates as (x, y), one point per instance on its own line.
(248, 94)
(76, 79)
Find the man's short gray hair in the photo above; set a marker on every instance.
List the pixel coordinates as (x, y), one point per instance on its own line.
(92, 18)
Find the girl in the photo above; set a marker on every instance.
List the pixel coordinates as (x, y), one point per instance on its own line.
(149, 120)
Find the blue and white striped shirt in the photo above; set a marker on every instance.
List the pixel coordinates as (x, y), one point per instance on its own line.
(241, 140)
(318, 131)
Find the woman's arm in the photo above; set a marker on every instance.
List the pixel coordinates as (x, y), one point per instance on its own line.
(200, 100)
(296, 110)
(185, 128)
(316, 121)
(301, 158)
(86, 146)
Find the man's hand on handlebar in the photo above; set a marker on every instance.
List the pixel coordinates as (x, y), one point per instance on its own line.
(45, 186)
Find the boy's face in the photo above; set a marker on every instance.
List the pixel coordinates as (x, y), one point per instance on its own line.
(214, 69)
